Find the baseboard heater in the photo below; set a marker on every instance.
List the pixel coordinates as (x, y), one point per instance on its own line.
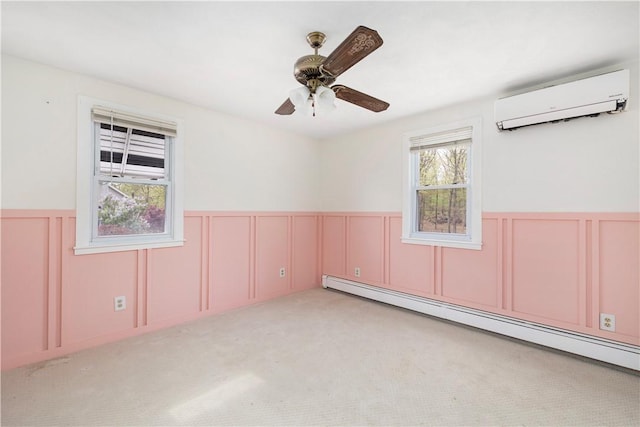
(613, 352)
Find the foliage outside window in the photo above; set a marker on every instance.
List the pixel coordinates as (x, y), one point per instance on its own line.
(441, 204)
(133, 209)
(441, 188)
(132, 201)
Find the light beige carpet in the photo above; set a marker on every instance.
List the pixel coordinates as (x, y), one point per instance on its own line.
(320, 357)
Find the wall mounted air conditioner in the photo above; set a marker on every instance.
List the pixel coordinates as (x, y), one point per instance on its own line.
(605, 93)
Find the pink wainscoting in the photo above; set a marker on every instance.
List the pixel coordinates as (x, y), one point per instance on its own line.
(558, 269)
(479, 281)
(618, 279)
(55, 302)
(305, 254)
(272, 254)
(232, 239)
(333, 245)
(545, 269)
(411, 267)
(25, 306)
(365, 245)
(174, 277)
(562, 270)
(90, 282)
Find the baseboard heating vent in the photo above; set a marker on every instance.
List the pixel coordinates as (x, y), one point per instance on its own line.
(613, 352)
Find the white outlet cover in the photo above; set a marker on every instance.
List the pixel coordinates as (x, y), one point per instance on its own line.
(119, 303)
(607, 322)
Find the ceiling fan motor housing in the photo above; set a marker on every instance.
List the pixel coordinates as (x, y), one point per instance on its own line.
(307, 68)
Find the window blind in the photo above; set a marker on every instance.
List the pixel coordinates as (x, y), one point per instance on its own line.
(130, 152)
(128, 120)
(435, 140)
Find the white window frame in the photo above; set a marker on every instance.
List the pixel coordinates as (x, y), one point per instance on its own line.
(86, 188)
(473, 237)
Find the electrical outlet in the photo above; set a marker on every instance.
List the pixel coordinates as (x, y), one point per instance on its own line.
(607, 322)
(119, 303)
(357, 272)
(282, 272)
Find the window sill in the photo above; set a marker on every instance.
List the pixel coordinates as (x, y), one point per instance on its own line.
(444, 243)
(129, 246)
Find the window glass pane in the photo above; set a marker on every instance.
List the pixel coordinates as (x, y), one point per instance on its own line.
(442, 211)
(144, 152)
(125, 208)
(443, 165)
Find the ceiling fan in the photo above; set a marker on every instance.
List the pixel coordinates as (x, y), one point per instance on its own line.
(316, 73)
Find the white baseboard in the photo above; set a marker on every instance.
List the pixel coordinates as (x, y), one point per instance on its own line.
(613, 352)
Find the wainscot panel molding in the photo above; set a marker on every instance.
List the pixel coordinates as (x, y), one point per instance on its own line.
(555, 269)
(55, 302)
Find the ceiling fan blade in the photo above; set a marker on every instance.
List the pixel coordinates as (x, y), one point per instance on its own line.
(360, 43)
(286, 108)
(360, 99)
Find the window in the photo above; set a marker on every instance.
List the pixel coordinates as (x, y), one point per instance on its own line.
(442, 204)
(129, 168)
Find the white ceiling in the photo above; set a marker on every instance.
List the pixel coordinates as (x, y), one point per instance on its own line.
(237, 57)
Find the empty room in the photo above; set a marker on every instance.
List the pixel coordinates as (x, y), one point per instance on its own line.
(320, 213)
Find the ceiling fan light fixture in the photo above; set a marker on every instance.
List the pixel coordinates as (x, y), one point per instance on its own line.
(299, 97)
(321, 101)
(324, 100)
(302, 100)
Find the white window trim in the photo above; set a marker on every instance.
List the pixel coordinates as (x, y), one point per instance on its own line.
(474, 218)
(85, 188)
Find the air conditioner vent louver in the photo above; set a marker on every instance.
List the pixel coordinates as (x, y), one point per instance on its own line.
(605, 93)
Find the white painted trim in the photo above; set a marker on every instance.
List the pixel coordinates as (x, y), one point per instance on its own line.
(461, 244)
(102, 248)
(613, 352)
(84, 186)
(473, 240)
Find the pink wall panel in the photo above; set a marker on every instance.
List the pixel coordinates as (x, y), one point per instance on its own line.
(366, 247)
(230, 261)
(545, 268)
(333, 245)
(174, 278)
(91, 283)
(478, 281)
(560, 270)
(272, 243)
(619, 278)
(540, 267)
(410, 266)
(25, 255)
(305, 252)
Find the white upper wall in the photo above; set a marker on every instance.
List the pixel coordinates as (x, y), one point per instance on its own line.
(584, 165)
(230, 163)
